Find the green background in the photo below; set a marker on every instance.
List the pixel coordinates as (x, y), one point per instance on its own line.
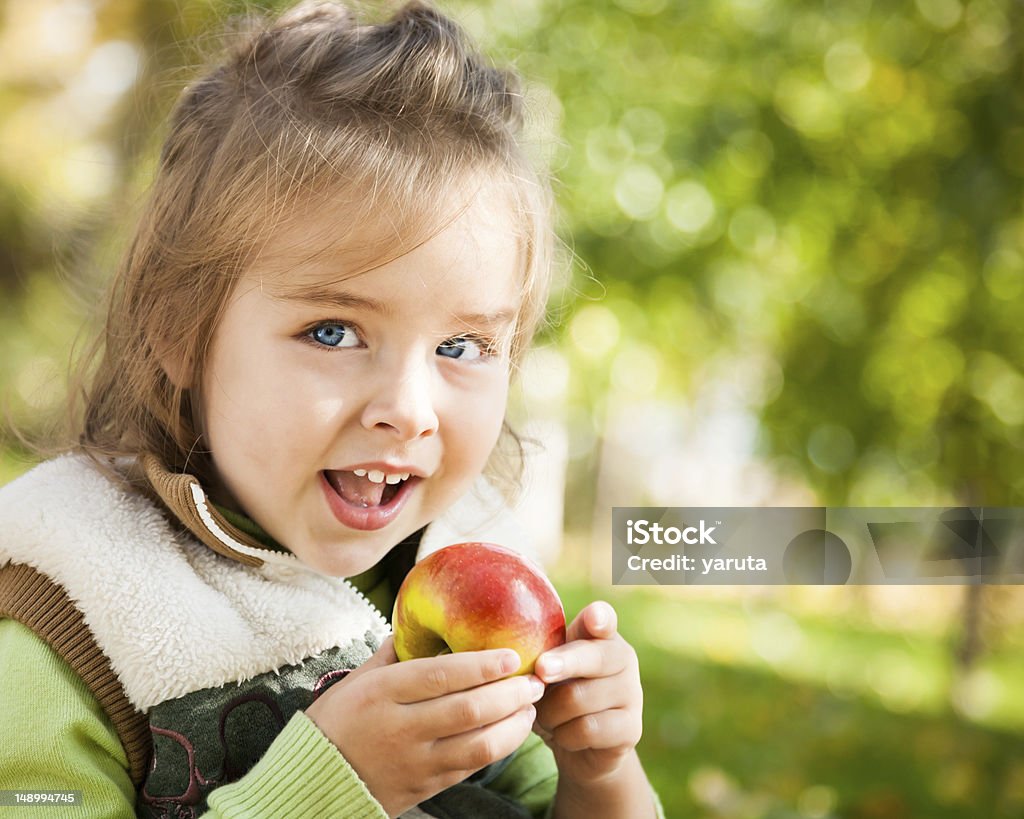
(794, 240)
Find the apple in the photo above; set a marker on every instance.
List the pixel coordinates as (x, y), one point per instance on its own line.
(475, 596)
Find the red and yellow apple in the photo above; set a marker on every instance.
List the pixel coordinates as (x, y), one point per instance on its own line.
(475, 596)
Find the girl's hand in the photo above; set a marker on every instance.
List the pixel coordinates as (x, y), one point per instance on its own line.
(592, 714)
(412, 729)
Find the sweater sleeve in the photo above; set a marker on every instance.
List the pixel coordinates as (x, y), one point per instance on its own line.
(57, 737)
(301, 774)
(530, 778)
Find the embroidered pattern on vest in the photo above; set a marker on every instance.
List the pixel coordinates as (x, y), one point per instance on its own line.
(214, 736)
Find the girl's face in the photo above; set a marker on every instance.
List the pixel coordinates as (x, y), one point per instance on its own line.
(344, 412)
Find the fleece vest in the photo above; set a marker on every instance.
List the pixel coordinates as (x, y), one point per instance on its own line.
(199, 642)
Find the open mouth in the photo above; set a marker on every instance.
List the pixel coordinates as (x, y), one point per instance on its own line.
(364, 488)
(366, 499)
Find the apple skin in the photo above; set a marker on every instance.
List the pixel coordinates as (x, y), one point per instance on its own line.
(476, 596)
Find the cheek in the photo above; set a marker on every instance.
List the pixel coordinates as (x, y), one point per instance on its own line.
(475, 421)
(497, 408)
(244, 401)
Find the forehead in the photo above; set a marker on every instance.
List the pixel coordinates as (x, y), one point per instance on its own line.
(359, 232)
(470, 241)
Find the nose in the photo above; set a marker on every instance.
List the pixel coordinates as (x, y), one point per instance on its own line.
(402, 401)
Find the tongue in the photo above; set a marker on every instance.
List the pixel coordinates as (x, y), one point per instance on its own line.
(357, 491)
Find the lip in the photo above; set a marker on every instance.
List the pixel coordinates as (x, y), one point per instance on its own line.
(367, 518)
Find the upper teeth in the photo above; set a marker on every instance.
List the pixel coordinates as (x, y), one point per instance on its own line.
(377, 476)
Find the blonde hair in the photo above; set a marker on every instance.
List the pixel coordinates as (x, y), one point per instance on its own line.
(314, 103)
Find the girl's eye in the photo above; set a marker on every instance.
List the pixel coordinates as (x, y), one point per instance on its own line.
(334, 334)
(464, 348)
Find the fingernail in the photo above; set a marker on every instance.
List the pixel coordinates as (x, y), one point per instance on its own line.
(529, 713)
(510, 662)
(600, 618)
(553, 666)
(536, 689)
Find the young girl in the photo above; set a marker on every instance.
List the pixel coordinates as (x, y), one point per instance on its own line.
(303, 376)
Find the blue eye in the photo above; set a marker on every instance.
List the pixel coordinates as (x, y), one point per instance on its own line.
(334, 334)
(464, 348)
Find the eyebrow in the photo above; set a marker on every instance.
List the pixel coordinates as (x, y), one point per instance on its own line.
(331, 297)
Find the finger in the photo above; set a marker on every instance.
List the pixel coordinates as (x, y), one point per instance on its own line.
(617, 728)
(585, 658)
(575, 698)
(470, 751)
(465, 710)
(430, 677)
(597, 620)
(601, 620)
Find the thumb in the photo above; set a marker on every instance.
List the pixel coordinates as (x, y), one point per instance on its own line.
(596, 621)
(385, 655)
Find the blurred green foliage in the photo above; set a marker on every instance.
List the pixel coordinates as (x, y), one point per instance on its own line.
(831, 188)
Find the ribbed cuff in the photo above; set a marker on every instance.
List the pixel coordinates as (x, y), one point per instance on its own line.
(301, 774)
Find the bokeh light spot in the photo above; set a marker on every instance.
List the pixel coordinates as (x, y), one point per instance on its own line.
(847, 67)
(689, 206)
(595, 331)
(638, 192)
(831, 447)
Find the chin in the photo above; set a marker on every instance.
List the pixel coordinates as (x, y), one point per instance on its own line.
(343, 558)
(341, 562)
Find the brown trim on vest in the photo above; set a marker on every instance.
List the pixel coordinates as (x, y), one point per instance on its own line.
(37, 602)
(175, 490)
